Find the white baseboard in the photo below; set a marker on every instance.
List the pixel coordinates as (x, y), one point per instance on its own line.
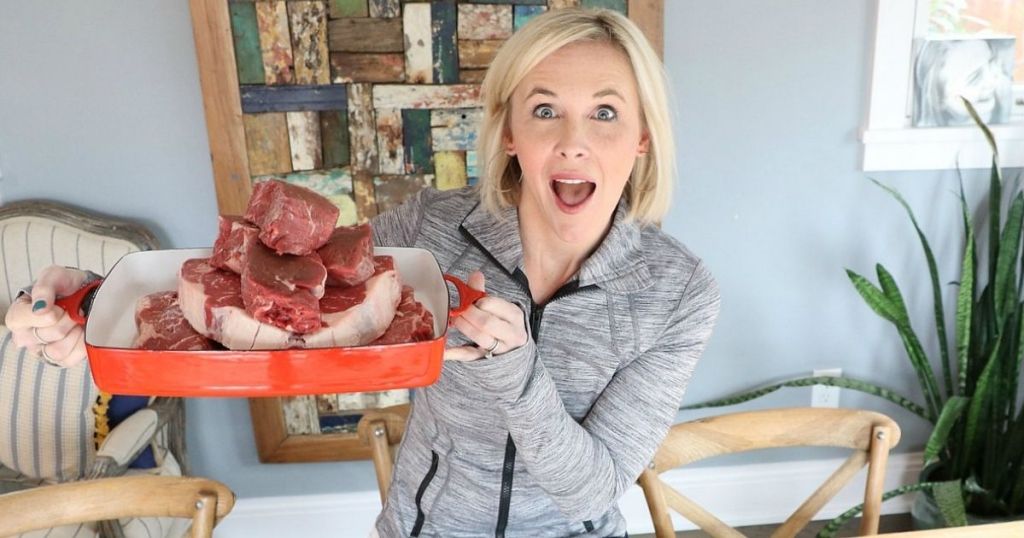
(739, 495)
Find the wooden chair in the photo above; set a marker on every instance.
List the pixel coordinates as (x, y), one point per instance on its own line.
(204, 501)
(381, 430)
(870, 435)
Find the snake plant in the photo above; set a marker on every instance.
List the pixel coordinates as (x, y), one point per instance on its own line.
(973, 402)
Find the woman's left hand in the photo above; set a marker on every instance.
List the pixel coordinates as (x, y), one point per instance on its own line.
(494, 324)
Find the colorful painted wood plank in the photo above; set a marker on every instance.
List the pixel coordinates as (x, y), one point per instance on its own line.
(334, 138)
(392, 191)
(419, 63)
(418, 96)
(292, 98)
(416, 138)
(363, 192)
(365, 35)
(275, 43)
(361, 67)
(522, 15)
(300, 415)
(304, 140)
(485, 22)
(472, 76)
(246, 36)
(450, 169)
(454, 130)
(478, 54)
(615, 5)
(266, 143)
(308, 20)
(389, 141)
(348, 8)
(529, 2)
(362, 129)
(334, 184)
(385, 9)
(454, 117)
(443, 17)
(472, 171)
(559, 4)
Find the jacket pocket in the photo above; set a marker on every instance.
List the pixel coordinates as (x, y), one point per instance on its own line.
(424, 484)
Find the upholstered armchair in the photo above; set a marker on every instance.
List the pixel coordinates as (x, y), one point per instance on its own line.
(55, 424)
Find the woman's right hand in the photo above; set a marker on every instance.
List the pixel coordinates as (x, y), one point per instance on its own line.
(39, 325)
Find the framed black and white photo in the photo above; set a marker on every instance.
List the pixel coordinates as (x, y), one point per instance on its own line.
(977, 69)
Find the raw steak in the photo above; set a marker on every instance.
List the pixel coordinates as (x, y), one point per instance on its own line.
(211, 300)
(234, 240)
(283, 290)
(357, 315)
(162, 325)
(291, 219)
(348, 255)
(412, 323)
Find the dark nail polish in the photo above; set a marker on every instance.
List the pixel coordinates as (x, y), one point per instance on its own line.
(38, 305)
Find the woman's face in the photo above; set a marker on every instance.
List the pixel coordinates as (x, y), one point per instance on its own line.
(971, 70)
(575, 127)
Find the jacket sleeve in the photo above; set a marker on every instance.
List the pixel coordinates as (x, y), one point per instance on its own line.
(586, 467)
(400, 226)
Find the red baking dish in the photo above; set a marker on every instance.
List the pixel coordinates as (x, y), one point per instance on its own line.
(118, 368)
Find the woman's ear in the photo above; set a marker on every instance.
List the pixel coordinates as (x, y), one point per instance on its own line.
(644, 147)
(510, 148)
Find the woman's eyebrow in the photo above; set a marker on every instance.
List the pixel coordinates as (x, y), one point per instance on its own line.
(549, 93)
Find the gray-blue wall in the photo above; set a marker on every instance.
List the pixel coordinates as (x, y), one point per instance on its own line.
(100, 106)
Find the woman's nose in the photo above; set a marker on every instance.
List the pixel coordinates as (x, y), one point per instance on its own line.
(572, 142)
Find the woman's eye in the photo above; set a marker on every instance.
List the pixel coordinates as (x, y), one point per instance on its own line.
(606, 113)
(544, 112)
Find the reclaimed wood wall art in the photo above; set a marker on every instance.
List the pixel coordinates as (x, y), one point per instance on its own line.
(364, 101)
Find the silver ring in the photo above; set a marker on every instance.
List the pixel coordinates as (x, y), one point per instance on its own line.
(35, 332)
(489, 352)
(46, 357)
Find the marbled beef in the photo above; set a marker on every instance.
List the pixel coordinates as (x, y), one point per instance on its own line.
(291, 219)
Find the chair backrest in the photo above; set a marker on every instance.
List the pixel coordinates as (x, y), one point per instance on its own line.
(203, 501)
(46, 416)
(868, 434)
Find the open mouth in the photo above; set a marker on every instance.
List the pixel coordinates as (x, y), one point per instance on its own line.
(571, 192)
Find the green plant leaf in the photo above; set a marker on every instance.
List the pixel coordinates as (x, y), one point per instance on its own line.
(933, 273)
(1006, 263)
(842, 382)
(874, 296)
(979, 402)
(950, 414)
(949, 497)
(984, 128)
(832, 527)
(964, 308)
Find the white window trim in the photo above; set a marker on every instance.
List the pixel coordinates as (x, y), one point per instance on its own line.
(889, 141)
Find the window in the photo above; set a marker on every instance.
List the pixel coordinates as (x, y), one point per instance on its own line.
(891, 142)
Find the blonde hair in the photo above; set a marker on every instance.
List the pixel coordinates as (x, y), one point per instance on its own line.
(649, 190)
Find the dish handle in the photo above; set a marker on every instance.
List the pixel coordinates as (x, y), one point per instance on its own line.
(467, 296)
(72, 304)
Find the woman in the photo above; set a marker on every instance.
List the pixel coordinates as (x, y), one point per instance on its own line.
(559, 385)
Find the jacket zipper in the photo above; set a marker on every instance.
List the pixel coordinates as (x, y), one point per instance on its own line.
(419, 494)
(508, 468)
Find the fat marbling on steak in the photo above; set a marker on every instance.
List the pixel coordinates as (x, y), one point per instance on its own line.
(162, 325)
(412, 323)
(234, 239)
(291, 219)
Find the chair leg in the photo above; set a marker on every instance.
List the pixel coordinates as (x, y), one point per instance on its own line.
(206, 515)
(381, 451)
(651, 486)
(877, 460)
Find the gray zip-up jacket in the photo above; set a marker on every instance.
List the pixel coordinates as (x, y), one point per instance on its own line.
(543, 440)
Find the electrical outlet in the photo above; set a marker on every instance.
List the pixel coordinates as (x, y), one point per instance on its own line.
(822, 395)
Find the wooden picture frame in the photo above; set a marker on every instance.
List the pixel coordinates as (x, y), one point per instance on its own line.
(222, 103)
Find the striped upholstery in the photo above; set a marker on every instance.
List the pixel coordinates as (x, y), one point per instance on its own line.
(47, 423)
(46, 420)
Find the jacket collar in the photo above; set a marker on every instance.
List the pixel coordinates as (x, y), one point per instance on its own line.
(618, 264)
